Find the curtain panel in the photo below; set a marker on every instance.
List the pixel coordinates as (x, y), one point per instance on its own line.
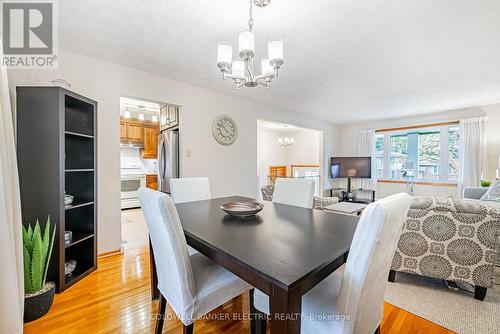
(366, 148)
(11, 260)
(473, 149)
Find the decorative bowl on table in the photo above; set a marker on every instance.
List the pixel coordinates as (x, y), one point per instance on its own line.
(242, 209)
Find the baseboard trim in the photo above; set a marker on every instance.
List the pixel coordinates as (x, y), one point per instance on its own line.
(106, 254)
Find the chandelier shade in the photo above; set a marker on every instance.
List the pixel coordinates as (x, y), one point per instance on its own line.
(275, 51)
(246, 42)
(238, 68)
(224, 55)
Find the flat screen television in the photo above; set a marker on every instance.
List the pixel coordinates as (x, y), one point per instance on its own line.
(351, 167)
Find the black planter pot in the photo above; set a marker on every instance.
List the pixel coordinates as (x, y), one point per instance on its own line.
(38, 304)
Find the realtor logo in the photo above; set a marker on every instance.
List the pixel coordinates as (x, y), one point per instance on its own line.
(29, 34)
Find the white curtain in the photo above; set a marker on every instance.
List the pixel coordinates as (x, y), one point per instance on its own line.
(473, 146)
(11, 259)
(366, 148)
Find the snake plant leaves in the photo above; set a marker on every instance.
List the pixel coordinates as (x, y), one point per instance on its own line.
(28, 286)
(37, 259)
(50, 248)
(29, 237)
(45, 244)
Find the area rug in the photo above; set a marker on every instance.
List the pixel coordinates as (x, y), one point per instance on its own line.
(455, 310)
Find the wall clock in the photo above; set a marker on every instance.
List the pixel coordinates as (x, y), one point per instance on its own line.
(225, 130)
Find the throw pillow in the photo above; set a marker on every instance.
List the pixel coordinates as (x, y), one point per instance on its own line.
(493, 193)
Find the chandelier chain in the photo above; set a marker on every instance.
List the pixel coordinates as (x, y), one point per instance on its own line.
(250, 17)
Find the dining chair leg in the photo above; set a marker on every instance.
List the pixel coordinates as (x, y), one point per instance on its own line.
(188, 329)
(252, 312)
(377, 331)
(258, 320)
(160, 316)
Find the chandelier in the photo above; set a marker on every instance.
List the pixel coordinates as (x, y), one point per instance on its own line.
(286, 141)
(241, 70)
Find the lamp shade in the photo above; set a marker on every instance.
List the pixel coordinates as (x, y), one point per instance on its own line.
(246, 43)
(275, 52)
(224, 54)
(265, 66)
(238, 68)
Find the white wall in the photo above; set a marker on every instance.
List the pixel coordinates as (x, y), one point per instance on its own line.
(232, 169)
(349, 143)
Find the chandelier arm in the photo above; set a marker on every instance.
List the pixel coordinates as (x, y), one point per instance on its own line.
(240, 84)
(265, 76)
(266, 84)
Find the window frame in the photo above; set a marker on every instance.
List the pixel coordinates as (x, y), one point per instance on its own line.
(444, 153)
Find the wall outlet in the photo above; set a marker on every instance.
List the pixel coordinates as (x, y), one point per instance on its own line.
(188, 153)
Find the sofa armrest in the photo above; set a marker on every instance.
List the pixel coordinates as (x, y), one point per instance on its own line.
(474, 192)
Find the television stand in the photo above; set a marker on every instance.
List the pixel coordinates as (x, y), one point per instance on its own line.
(349, 195)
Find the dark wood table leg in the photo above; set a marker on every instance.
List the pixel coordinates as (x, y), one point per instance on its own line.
(155, 293)
(285, 311)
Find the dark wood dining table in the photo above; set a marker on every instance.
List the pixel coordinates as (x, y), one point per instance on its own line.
(283, 251)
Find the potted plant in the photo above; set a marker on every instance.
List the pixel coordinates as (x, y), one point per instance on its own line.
(37, 248)
(485, 184)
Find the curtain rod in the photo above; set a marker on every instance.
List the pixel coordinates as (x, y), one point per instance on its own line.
(418, 126)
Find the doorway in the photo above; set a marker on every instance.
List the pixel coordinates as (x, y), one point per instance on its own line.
(139, 130)
(286, 150)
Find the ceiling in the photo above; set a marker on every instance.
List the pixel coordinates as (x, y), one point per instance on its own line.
(345, 60)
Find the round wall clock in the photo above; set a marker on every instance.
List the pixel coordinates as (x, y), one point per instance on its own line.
(225, 130)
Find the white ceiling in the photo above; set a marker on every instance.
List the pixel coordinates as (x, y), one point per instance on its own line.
(345, 60)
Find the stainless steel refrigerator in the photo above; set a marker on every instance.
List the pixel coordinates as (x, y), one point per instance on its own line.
(168, 159)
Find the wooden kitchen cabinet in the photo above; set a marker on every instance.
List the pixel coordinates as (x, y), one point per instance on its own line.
(152, 181)
(123, 130)
(150, 150)
(169, 117)
(135, 132)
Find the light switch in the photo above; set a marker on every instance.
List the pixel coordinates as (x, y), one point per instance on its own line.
(188, 153)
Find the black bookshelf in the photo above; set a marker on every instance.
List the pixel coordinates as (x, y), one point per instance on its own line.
(57, 154)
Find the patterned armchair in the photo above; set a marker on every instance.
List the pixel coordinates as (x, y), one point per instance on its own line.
(450, 239)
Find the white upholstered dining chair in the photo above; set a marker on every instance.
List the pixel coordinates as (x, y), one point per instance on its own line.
(189, 189)
(192, 285)
(356, 289)
(297, 192)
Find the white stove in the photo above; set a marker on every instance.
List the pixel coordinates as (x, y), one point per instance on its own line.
(132, 178)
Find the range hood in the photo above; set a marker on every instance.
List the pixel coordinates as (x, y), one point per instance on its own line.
(126, 144)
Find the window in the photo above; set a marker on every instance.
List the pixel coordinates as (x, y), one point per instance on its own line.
(429, 158)
(427, 154)
(399, 155)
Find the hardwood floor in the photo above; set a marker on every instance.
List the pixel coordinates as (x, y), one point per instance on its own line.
(116, 299)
